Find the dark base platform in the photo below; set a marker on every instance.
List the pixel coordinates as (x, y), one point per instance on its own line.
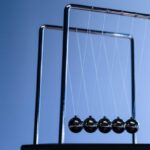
(87, 147)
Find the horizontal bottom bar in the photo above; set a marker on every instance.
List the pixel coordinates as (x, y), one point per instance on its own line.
(87, 147)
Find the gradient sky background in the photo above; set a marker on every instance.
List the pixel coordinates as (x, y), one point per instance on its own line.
(20, 21)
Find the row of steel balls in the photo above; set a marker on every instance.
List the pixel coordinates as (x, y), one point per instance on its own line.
(104, 125)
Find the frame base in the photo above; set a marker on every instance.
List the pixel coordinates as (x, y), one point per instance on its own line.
(87, 147)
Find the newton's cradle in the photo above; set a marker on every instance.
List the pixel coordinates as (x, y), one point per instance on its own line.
(89, 124)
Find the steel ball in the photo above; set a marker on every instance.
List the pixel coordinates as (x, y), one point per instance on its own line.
(104, 125)
(118, 125)
(90, 124)
(75, 125)
(131, 125)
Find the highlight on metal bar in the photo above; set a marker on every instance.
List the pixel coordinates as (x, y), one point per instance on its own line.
(90, 31)
(40, 60)
(38, 86)
(108, 10)
(65, 54)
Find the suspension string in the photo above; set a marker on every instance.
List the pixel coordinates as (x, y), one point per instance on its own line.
(121, 70)
(101, 42)
(82, 75)
(72, 95)
(86, 40)
(143, 46)
(110, 82)
(110, 75)
(100, 45)
(96, 73)
(83, 62)
(131, 33)
(117, 49)
(123, 75)
(89, 35)
(71, 90)
(127, 62)
(128, 57)
(96, 70)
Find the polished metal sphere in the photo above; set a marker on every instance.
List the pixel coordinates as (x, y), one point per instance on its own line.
(75, 125)
(104, 125)
(118, 125)
(131, 125)
(90, 125)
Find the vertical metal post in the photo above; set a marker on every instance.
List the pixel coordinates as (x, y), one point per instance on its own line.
(64, 72)
(133, 84)
(38, 86)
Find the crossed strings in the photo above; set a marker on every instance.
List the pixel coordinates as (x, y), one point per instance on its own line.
(69, 79)
(82, 64)
(121, 68)
(96, 71)
(109, 67)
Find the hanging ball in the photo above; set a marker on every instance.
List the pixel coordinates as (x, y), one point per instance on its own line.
(118, 125)
(131, 125)
(90, 125)
(75, 125)
(104, 125)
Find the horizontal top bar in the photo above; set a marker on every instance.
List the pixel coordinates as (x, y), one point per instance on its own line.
(89, 31)
(108, 10)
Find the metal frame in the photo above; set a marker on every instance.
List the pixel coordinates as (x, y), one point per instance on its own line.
(64, 71)
(65, 52)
